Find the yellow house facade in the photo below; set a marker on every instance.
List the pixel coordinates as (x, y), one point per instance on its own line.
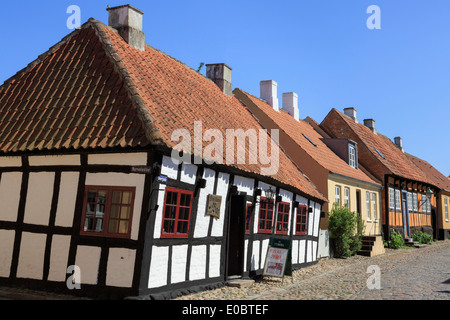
(364, 199)
(443, 223)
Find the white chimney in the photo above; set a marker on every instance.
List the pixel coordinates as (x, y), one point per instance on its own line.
(351, 112)
(269, 93)
(399, 143)
(370, 123)
(128, 21)
(290, 104)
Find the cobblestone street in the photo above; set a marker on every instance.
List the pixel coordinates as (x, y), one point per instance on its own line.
(406, 274)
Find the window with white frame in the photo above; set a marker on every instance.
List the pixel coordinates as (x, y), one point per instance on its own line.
(410, 202)
(415, 203)
(368, 205)
(446, 209)
(347, 198)
(391, 198)
(337, 197)
(374, 206)
(425, 204)
(352, 159)
(398, 204)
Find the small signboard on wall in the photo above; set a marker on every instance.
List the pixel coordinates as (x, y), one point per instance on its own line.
(213, 206)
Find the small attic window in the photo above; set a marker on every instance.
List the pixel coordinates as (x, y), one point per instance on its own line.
(380, 153)
(307, 138)
(352, 156)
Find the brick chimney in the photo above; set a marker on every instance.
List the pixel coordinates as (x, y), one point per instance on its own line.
(370, 123)
(269, 93)
(220, 73)
(290, 104)
(351, 112)
(399, 143)
(128, 21)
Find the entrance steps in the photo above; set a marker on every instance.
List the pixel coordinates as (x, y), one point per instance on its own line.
(411, 243)
(372, 246)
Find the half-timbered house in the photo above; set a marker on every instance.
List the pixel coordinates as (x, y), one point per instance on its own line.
(440, 214)
(408, 194)
(332, 164)
(94, 201)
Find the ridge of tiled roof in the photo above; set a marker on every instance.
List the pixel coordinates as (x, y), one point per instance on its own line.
(93, 90)
(433, 174)
(71, 97)
(389, 156)
(322, 153)
(189, 96)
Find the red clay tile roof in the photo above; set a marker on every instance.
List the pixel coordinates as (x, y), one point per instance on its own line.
(93, 90)
(70, 98)
(431, 172)
(394, 162)
(297, 129)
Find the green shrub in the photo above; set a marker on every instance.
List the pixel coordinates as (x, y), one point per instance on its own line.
(422, 237)
(397, 240)
(427, 238)
(346, 230)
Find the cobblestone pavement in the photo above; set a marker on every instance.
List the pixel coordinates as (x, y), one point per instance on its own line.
(406, 274)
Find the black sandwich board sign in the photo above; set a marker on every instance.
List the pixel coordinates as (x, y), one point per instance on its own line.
(279, 258)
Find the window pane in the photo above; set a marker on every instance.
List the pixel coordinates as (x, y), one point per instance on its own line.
(88, 225)
(115, 209)
(123, 227)
(101, 198)
(92, 196)
(100, 212)
(117, 197)
(127, 197)
(184, 214)
(185, 200)
(90, 210)
(172, 198)
(125, 213)
(182, 227)
(113, 225)
(170, 212)
(169, 226)
(98, 225)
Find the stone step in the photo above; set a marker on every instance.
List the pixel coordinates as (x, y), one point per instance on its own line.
(366, 247)
(240, 283)
(366, 253)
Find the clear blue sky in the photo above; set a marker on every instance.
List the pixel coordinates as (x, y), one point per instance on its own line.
(321, 49)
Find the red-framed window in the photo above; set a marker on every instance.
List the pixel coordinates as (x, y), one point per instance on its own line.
(265, 215)
(248, 218)
(301, 226)
(108, 211)
(177, 213)
(283, 218)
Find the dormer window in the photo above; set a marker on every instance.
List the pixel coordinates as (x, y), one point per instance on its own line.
(352, 156)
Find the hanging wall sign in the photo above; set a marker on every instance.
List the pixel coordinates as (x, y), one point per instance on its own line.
(213, 206)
